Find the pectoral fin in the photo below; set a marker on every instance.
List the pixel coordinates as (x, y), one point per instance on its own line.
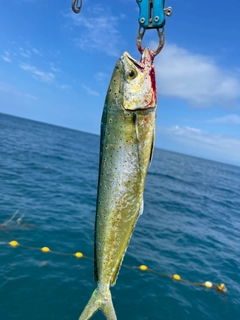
(152, 148)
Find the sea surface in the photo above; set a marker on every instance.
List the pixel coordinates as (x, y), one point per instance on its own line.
(190, 227)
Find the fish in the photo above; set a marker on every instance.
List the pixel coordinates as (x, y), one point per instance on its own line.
(126, 149)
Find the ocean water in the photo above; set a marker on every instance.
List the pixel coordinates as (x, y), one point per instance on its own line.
(190, 226)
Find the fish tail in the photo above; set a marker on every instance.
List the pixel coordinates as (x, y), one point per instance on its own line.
(100, 299)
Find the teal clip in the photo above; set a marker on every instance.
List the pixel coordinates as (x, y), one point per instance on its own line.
(152, 13)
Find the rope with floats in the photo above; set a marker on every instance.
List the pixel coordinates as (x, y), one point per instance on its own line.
(221, 288)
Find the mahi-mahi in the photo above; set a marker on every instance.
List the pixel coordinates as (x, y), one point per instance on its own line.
(126, 147)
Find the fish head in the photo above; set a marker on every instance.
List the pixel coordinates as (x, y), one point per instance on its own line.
(133, 85)
(138, 83)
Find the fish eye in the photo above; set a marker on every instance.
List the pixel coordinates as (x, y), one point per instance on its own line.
(132, 74)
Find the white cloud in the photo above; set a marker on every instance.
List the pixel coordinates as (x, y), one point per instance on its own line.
(100, 76)
(55, 53)
(64, 86)
(90, 91)
(197, 142)
(14, 91)
(28, 52)
(29, 1)
(55, 69)
(38, 74)
(24, 53)
(30, 96)
(4, 87)
(36, 51)
(230, 118)
(195, 78)
(99, 30)
(6, 57)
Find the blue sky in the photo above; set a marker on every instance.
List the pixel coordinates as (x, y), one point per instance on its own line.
(55, 67)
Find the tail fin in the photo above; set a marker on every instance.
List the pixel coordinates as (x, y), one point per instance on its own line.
(100, 299)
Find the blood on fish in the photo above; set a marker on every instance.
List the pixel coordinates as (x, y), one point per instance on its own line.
(153, 80)
(144, 121)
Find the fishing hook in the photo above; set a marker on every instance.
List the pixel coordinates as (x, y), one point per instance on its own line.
(76, 5)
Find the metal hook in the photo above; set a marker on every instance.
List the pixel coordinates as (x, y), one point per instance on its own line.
(75, 6)
(139, 38)
(168, 11)
(161, 36)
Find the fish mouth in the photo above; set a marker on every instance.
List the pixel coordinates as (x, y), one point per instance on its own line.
(145, 62)
(137, 64)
